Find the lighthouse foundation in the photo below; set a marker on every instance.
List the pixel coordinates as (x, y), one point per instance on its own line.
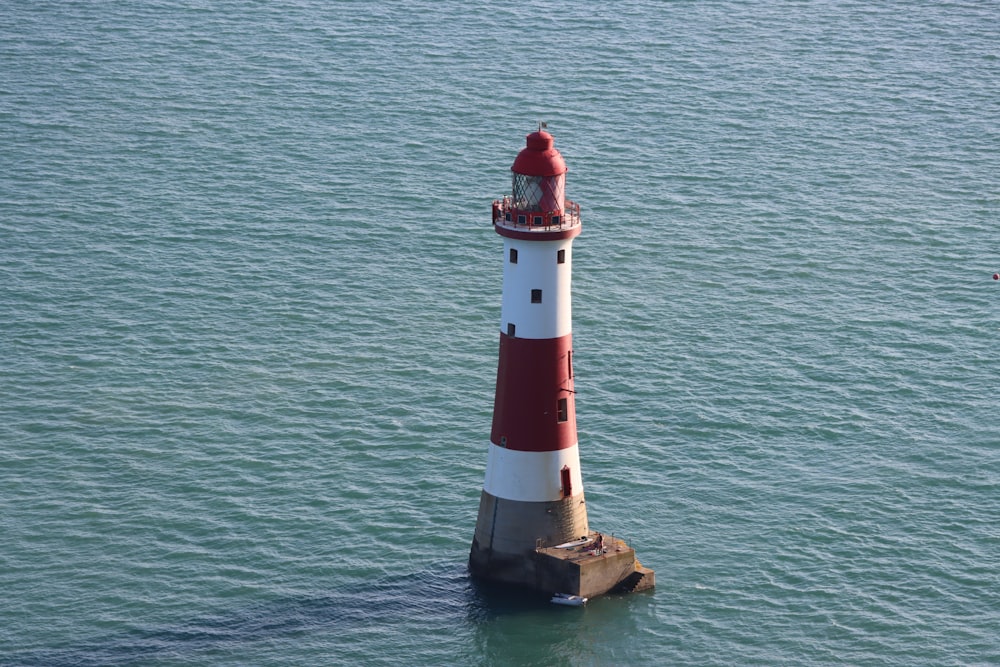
(582, 569)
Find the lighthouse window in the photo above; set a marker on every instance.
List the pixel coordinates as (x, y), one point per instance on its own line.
(522, 219)
(510, 329)
(536, 296)
(537, 219)
(556, 220)
(561, 257)
(513, 255)
(563, 412)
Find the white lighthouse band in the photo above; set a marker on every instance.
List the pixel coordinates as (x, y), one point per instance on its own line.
(532, 476)
(536, 288)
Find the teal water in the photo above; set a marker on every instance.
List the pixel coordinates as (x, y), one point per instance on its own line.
(249, 309)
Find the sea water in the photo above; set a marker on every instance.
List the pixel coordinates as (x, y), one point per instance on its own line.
(249, 312)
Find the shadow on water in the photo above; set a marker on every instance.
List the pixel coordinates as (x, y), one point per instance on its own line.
(442, 594)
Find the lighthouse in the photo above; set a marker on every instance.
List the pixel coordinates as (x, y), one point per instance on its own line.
(532, 529)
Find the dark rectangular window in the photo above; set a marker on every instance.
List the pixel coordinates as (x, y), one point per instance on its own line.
(521, 219)
(561, 257)
(513, 255)
(510, 329)
(556, 220)
(536, 296)
(538, 219)
(563, 412)
(569, 363)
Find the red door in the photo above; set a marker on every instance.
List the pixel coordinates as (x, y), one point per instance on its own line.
(567, 485)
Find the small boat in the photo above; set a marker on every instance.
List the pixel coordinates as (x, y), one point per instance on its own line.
(569, 600)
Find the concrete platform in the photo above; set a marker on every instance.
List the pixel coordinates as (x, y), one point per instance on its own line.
(581, 570)
(588, 572)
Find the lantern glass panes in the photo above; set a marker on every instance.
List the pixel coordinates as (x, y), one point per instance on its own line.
(538, 193)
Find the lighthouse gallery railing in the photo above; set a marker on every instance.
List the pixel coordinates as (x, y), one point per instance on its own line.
(506, 213)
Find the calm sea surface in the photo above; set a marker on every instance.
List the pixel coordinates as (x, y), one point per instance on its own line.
(249, 311)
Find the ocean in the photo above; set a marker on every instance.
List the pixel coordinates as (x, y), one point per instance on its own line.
(250, 303)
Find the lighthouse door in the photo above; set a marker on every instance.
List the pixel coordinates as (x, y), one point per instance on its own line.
(567, 485)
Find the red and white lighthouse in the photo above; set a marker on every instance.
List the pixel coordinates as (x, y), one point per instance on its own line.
(532, 502)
